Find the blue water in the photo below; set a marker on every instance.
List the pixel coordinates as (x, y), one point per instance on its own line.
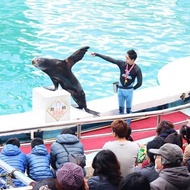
(157, 29)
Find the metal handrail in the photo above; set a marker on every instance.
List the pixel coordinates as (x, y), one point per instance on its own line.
(80, 122)
(16, 173)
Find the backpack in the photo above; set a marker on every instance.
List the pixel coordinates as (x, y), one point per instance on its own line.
(76, 158)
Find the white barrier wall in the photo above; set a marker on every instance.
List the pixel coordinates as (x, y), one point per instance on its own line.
(51, 106)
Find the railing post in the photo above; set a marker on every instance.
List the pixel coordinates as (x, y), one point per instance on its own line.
(158, 119)
(79, 131)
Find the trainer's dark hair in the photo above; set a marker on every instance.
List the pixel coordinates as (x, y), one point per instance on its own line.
(132, 54)
(119, 127)
(67, 131)
(105, 164)
(134, 181)
(13, 141)
(36, 141)
(156, 143)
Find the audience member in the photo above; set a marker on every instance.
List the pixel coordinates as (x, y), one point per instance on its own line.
(12, 155)
(71, 177)
(185, 133)
(168, 162)
(47, 184)
(186, 157)
(134, 181)
(125, 151)
(107, 173)
(165, 128)
(58, 154)
(149, 170)
(38, 161)
(174, 138)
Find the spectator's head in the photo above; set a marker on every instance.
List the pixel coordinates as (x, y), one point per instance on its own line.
(174, 138)
(105, 164)
(119, 128)
(157, 142)
(134, 181)
(168, 155)
(67, 131)
(36, 141)
(165, 128)
(46, 184)
(13, 141)
(185, 132)
(70, 176)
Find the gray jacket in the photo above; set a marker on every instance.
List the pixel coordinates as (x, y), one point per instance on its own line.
(176, 178)
(58, 155)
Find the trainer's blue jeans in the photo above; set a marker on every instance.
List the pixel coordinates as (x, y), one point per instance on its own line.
(125, 96)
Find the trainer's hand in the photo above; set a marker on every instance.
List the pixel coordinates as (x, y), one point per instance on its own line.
(93, 54)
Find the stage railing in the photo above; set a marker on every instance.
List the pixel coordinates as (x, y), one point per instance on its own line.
(80, 122)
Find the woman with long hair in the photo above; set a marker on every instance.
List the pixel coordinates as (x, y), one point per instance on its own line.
(107, 173)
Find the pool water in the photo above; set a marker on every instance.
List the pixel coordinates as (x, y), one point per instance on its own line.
(157, 29)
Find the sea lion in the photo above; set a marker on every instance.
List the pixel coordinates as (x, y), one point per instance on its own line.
(60, 73)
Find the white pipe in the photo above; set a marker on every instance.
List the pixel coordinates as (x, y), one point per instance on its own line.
(17, 174)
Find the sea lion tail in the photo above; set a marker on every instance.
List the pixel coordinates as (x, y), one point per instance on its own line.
(92, 112)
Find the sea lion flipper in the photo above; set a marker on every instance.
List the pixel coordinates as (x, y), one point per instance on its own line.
(56, 85)
(76, 56)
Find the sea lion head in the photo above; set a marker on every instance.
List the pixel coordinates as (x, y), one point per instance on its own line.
(44, 63)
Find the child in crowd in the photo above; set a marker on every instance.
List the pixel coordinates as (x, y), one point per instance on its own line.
(38, 161)
(12, 155)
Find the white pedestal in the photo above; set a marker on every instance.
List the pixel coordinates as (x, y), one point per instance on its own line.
(51, 106)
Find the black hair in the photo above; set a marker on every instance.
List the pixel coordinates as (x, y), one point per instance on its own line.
(47, 184)
(156, 143)
(67, 131)
(134, 181)
(132, 54)
(105, 164)
(36, 141)
(128, 136)
(185, 133)
(164, 126)
(13, 141)
(174, 138)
